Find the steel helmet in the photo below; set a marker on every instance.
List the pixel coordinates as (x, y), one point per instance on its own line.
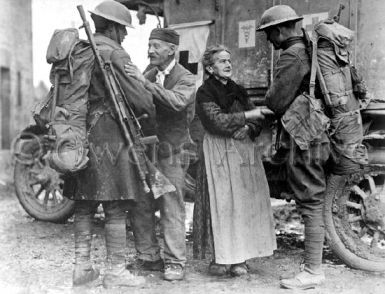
(114, 11)
(276, 15)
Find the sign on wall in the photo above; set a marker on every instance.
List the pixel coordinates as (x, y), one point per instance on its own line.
(246, 34)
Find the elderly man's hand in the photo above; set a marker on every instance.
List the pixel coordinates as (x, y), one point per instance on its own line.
(133, 71)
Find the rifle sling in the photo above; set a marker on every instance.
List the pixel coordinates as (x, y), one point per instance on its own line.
(137, 148)
(106, 55)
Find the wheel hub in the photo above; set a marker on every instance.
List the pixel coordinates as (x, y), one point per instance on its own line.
(46, 176)
(374, 211)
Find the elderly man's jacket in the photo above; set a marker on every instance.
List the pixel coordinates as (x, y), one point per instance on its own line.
(175, 108)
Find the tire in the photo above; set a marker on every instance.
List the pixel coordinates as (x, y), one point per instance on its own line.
(38, 187)
(354, 219)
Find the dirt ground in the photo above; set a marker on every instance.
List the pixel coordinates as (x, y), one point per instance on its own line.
(37, 257)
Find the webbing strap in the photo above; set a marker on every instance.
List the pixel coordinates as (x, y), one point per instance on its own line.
(313, 71)
(66, 122)
(334, 71)
(54, 102)
(315, 67)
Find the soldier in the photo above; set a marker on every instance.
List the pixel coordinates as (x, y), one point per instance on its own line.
(173, 91)
(113, 183)
(305, 169)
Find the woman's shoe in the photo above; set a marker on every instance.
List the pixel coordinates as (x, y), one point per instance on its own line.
(216, 269)
(239, 269)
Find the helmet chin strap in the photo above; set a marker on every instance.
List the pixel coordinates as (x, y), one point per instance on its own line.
(117, 34)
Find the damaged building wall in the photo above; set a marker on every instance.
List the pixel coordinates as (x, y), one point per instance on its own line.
(16, 83)
(234, 24)
(370, 53)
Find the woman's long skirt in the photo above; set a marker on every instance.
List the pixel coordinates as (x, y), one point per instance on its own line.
(241, 219)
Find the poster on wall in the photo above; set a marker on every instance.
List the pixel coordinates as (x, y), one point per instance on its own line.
(246, 34)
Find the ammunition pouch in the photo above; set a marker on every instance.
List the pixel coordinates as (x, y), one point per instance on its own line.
(305, 120)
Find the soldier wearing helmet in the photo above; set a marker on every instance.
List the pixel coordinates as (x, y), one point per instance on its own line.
(110, 177)
(305, 168)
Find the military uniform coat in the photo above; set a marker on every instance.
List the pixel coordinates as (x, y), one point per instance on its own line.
(110, 173)
(305, 168)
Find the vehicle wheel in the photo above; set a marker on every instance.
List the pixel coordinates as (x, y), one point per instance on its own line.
(39, 187)
(355, 218)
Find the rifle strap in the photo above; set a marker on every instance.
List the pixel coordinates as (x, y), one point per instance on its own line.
(124, 103)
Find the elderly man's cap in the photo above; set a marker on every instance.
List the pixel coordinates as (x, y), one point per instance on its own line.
(164, 34)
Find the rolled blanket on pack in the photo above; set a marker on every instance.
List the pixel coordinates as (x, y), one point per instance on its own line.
(346, 131)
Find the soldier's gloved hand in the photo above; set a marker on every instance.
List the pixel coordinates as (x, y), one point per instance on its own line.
(254, 114)
(258, 113)
(241, 133)
(267, 112)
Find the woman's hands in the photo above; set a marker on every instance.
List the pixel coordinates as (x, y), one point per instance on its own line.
(241, 133)
(258, 113)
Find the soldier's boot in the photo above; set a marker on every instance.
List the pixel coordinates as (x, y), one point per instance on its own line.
(312, 274)
(306, 279)
(83, 272)
(116, 274)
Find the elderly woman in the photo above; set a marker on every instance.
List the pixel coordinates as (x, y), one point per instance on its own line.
(233, 208)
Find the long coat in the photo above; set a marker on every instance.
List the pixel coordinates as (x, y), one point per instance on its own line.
(110, 173)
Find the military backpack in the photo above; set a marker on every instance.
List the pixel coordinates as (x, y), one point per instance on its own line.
(64, 109)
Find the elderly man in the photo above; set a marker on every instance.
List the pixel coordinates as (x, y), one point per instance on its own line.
(305, 168)
(173, 91)
(113, 183)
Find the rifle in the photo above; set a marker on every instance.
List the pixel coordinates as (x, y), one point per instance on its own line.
(129, 124)
(336, 18)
